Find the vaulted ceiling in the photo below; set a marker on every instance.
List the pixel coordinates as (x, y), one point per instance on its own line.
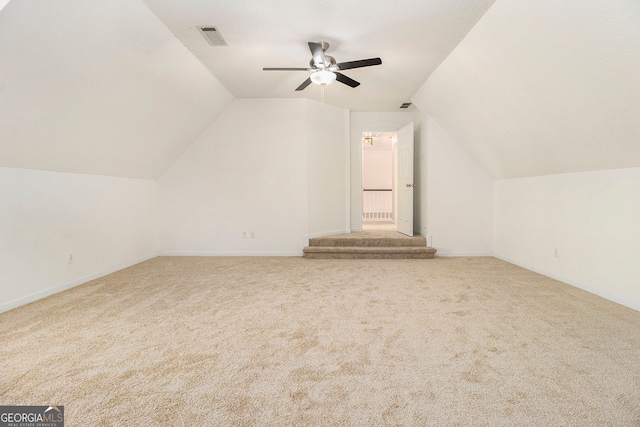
(98, 87)
(527, 87)
(412, 37)
(543, 87)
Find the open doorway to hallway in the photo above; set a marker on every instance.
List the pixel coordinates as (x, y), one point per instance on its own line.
(379, 181)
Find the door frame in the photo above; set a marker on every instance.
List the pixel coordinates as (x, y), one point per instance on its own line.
(356, 174)
(406, 180)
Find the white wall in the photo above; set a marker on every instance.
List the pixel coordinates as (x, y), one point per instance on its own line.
(249, 171)
(591, 218)
(106, 223)
(452, 200)
(377, 168)
(459, 196)
(328, 169)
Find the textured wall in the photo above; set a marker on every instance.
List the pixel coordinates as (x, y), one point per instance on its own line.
(581, 228)
(459, 196)
(327, 169)
(253, 170)
(106, 223)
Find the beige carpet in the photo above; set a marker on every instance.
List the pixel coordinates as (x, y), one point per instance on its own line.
(289, 341)
(370, 238)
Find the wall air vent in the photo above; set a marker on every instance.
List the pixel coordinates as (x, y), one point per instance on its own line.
(405, 105)
(213, 36)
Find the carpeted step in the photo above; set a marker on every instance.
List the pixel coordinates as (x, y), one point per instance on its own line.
(369, 252)
(370, 241)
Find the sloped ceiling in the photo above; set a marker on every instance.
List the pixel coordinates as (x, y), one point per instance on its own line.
(536, 87)
(544, 87)
(98, 87)
(411, 36)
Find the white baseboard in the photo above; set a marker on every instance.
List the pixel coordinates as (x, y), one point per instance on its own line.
(54, 290)
(215, 253)
(463, 254)
(328, 233)
(635, 305)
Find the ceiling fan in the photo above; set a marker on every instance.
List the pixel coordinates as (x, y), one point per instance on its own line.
(324, 69)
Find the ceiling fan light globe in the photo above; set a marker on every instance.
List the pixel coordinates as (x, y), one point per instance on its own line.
(323, 77)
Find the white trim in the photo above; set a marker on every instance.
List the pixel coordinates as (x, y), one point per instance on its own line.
(454, 254)
(635, 305)
(463, 254)
(356, 144)
(54, 290)
(347, 170)
(328, 233)
(237, 254)
(356, 179)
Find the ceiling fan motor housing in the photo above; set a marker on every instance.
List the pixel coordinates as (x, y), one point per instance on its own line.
(324, 68)
(330, 66)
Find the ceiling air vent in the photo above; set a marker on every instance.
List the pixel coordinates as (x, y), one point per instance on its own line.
(213, 36)
(405, 105)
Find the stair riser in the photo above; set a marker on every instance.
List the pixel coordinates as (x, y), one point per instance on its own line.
(327, 255)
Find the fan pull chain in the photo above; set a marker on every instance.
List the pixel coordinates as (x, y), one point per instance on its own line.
(322, 97)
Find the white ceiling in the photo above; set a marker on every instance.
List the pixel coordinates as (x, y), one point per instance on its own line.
(412, 37)
(98, 87)
(536, 87)
(543, 87)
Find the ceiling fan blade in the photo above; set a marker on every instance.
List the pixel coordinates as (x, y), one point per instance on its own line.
(318, 54)
(346, 80)
(286, 69)
(359, 64)
(304, 84)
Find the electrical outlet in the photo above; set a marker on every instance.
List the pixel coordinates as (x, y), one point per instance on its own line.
(556, 253)
(429, 240)
(70, 259)
(244, 235)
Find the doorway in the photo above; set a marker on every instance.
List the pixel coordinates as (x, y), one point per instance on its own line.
(379, 181)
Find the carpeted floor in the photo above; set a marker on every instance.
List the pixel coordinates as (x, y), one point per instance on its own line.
(287, 341)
